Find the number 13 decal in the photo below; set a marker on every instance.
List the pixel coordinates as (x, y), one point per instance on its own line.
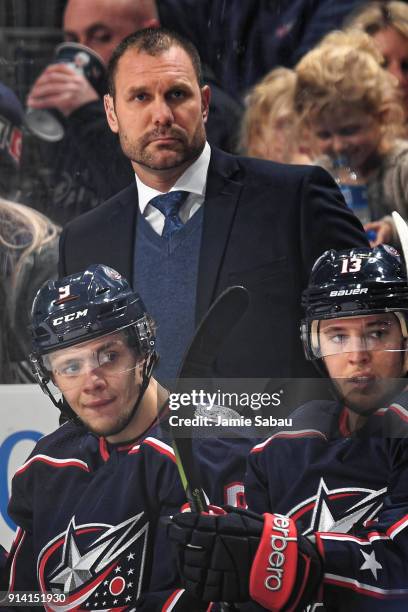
(351, 264)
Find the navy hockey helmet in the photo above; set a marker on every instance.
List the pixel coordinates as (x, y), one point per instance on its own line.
(84, 306)
(353, 282)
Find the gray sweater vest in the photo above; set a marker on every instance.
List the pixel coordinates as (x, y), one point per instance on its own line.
(165, 276)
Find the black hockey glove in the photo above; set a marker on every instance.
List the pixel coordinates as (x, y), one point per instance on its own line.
(240, 555)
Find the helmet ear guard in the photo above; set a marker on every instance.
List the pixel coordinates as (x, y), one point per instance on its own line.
(142, 335)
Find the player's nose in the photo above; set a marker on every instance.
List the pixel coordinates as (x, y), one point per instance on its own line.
(357, 350)
(359, 356)
(93, 379)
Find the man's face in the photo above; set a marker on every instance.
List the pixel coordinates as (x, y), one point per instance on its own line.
(102, 24)
(100, 380)
(348, 132)
(364, 356)
(159, 110)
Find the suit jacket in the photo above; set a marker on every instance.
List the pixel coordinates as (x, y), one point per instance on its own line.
(264, 226)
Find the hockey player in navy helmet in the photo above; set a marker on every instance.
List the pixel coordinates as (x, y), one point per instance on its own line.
(328, 498)
(89, 499)
(355, 326)
(94, 322)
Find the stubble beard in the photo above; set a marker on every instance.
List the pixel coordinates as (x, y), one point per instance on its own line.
(119, 424)
(180, 154)
(113, 429)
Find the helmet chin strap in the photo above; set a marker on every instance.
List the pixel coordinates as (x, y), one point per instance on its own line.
(148, 366)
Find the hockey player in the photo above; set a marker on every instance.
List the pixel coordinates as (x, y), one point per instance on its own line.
(88, 500)
(329, 498)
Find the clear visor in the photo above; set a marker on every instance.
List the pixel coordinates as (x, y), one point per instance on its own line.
(383, 332)
(102, 358)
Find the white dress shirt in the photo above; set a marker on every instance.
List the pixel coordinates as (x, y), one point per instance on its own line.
(193, 180)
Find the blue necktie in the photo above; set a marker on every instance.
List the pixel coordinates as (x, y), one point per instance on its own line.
(169, 204)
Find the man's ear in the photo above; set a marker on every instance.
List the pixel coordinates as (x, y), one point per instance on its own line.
(110, 113)
(205, 101)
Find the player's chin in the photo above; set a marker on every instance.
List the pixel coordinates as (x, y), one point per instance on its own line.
(99, 427)
(370, 398)
(102, 425)
(105, 430)
(363, 404)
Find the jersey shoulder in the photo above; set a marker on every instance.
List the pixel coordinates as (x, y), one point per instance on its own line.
(313, 420)
(68, 446)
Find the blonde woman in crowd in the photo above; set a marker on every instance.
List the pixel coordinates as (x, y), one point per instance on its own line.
(351, 107)
(28, 247)
(269, 125)
(28, 257)
(387, 23)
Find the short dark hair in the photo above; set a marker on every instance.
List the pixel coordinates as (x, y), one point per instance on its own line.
(152, 41)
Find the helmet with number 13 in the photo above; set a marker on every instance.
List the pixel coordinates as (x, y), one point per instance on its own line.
(355, 324)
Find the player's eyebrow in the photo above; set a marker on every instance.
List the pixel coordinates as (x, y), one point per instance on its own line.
(109, 345)
(338, 327)
(333, 328)
(380, 322)
(78, 353)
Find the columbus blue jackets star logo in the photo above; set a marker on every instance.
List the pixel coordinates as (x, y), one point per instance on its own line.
(97, 566)
(370, 563)
(337, 510)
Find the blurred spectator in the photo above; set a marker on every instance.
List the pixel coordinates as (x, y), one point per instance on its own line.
(241, 40)
(88, 166)
(11, 119)
(350, 104)
(5, 369)
(28, 247)
(73, 176)
(387, 23)
(102, 24)
(270, 124)
(28, 257)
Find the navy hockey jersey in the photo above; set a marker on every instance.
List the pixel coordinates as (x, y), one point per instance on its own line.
(89, 521)
(89, 518)
(350, 492)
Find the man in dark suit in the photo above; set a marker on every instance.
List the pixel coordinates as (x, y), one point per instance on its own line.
(236, 220)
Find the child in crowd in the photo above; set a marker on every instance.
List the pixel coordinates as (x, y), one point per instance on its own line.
(269, 123)
(387, 23)
(350, 105)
